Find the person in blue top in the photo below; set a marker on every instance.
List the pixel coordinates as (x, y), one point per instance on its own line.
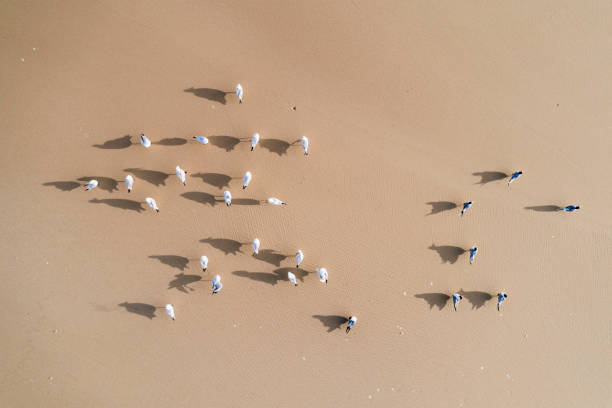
(514, 176)
(473, 251)
(501, 296)
(569, 208)
(456, 298)
(466, 205)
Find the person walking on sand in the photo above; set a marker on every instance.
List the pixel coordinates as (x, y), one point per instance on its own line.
(352, 321)
(239, 92)
(466, 205)
(323, 275)
(145, 141)
(181, 174)
(299, 257)
(170, 311)
(305, 145)
(91, 185)
(515, 176)
(152, 203)
(129, 182)
(227, 197)
(204, 262)
(256, 245)
(501, 297)
(246, 179)
(569, 208)
(254, 140)
(473, 251)
(216, 284)
(456, 299)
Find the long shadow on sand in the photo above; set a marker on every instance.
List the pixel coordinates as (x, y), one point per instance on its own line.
(489, 176)
(448, 253)
(440, 206)
(142, 309)
(172, 141)
(200, 197)
(63, 185)
(104, 183)
(157, 178)
(265, 277)
(476, 299)
(211, 94)
(175, 261)
(228, 246)
(120, 203)
(543, 208)
(224, 142)
(277, 146)
(434, 299)
(332, 322)
(181, 282)
(214, 179)
(245, 201)
(270, 256)
(122, 142)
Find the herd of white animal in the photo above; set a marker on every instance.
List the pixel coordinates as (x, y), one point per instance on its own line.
(181, 174)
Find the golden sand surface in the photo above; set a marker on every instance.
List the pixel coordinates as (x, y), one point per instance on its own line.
(411, 108)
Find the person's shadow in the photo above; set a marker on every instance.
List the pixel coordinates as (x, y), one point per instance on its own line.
(489, 176)
(214, 179)
(440, 206)
(277, 146)
(200, 197)
(224, 142)
(543, 208)
(228, 246)
(181, 282)
(174, 261)
(171, 141)
(211, 94)
(157, 178)
(332, 322)
(120, 203)
(119, 143)
(270, 256)
(434, 299)
(63, 185)
(448, 253)
(265, 277)
(104, 183)
(142, 309)
(476, 299)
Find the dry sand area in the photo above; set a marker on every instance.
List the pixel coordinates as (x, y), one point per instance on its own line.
(407, 105)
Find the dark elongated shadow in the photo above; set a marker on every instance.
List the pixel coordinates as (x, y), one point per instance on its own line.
(265, 277)
(476, 299)
(245, 201)
(200, 197)
(434, 299)
(157, 178)
(119, 143)
(270, 256)
(277, 146)
(63, 185)
(439, 206)
(228, 246)
(104, 183)
(175, 261)
(211, 94)
(142, 309)
(489, 176)
(120, 203)
(214, 179)
(332, 322)
(172, 141)
(298, 272)
(543, 208)
(448, 253)
(224, 142)
(181, 282)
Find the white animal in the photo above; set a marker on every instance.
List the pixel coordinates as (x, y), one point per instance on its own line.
(351, 323)
(239, 92)
(299, 257)
(201, 139)
(322, 272)
(246, 179)
(305, 145)
(256, 245)
(181, 174)
(276, 201)
(91, 185)
(204, 262)
(170, 311)
(254, 140)
(129, 182)
(292, 279)
(145, 140)
(227, 196)
(216, 284)
(151, 202)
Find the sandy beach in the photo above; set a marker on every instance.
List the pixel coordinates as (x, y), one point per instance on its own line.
(411, 109)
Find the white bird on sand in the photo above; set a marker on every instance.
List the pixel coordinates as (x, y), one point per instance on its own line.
(352, 321)
(456, 299)
(239, 92)
(129, 182)
(246, 179)
(305, 145)
(201, 139)
(151, 202)
(227, 196)
(322, 272)
(204, 262)
(91, 185)
(254, 140)
(170, 311)
(292, 279)
(276, 201)
(216, 284)
(501, 297)
(299, 257)
(256, 245)
(181, 174)
(144, 140)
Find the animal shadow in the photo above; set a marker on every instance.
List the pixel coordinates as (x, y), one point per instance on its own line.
(118, 143)
(440, 206)
(298, 272)
(543, 208)
(104, 183)
(245, 201)
(476, 299)
(157, 178)
(228, 246)
(270, 256)
(489, 176)
(142, 309)
(332, 322)
(211, 94)
(277, 146)
(173, 141)
(214, 179)
(120, 203)
(63, 185)
(434, 299)
(175, 261)
(448, 253)
(200, 197)
(265, 277)
(181, 281)
(224, 142)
